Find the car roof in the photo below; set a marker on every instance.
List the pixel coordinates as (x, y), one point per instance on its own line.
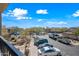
(56, 49)
(45, 44)
(46, 48)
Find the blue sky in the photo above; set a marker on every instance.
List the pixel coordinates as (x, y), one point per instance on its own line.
(41, 14)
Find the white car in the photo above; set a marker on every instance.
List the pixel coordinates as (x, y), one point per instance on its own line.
(48, 50)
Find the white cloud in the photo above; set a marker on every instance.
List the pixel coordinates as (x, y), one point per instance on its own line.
(76, 14)
(23, 18)
(39, 20)
(59, 23)
(18, 13)
(56, 24)
(4, 14)
(42, 11)
(29, 17)
(20, 18)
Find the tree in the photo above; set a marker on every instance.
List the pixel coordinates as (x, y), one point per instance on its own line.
(77, 32)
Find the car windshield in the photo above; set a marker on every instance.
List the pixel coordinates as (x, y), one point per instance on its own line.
(47, 49)
(42, 41)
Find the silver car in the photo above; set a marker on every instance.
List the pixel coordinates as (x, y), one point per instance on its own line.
(48, 50)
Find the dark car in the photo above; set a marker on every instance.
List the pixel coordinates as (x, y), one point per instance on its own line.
(45, 44)
(15, 33)
(54, 36)
(39, 41)
(48, 50)
(64, 41)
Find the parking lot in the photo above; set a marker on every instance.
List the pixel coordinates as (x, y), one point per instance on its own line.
(66, 50)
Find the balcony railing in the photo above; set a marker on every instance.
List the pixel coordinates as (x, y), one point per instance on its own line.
(8, 49)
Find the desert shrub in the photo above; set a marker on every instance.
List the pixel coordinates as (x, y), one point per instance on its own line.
(6, 36)
(23, 40)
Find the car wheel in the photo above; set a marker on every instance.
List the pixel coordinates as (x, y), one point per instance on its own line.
(59, 54)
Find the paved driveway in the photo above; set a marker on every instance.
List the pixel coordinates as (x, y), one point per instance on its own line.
(65, 49)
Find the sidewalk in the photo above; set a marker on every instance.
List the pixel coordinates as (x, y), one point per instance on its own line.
(33, 49)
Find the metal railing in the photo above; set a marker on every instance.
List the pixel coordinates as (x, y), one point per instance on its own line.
(8, 49)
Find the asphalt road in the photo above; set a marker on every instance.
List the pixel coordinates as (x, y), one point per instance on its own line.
(65, 49)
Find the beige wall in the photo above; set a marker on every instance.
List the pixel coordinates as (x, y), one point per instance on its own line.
(2, 8)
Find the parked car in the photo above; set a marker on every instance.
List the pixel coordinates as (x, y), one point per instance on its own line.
(64, 41)
(39, 41)
(48, 50)
(54, 36)
(45, 44)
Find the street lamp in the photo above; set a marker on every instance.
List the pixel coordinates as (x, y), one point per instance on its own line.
(2, 8)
